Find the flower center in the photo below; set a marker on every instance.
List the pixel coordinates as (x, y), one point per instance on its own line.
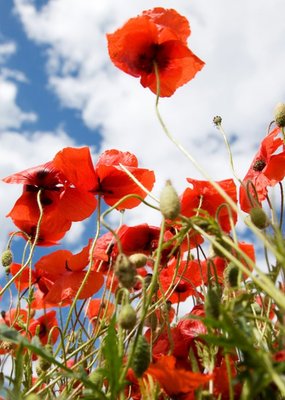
(153, 54)
(259, 165)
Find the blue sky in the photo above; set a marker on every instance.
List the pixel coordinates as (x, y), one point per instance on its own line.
(58, 88)
(30, 60)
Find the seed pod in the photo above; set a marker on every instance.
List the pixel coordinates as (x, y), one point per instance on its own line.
(125, 271)
(141, 358)
(127, 318)
(258, 218)
(169, 202)
(7, 258)
(279, 114)
(138, 260)
(217, 120)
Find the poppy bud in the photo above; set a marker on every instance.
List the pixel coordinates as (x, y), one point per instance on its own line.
(258, 218)
(217, 120)
(7, 258)
(169, 202)
(279, 114)
(231, 275)
(125, 271)
(212, 302)
(44, 364)
(141, 357)
(138, 259)
(96, 378)
(32, 396)
(127, 318)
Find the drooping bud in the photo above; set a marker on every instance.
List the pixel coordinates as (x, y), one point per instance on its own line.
(138, 259)
(169, 202)
(7, 258)
(127, 318)
(141, 357)
(125, 271)
(279, 114)
(259, 218)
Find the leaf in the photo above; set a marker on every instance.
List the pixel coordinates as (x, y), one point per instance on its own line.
(114, 360)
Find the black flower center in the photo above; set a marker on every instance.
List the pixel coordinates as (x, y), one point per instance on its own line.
(154, 54)
(259, 165)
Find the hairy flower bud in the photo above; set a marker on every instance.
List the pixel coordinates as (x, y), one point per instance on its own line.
(258, 218)
(279, 114)
(138, 259)
(169, 202)
(231, 275)
(7, 258)
(212, 302)
(127, 318)
(141, 357)
(43, 363)
(125, 271)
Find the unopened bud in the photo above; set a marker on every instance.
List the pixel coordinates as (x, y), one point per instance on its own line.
(96, 378)
(169, 202)
(141, 357)
(258, 218)
(127, 318)
(279, 114)
(231, 275)
(125, 271)
(138, 259)
(43, 364)
(212, 302)
(7, 258)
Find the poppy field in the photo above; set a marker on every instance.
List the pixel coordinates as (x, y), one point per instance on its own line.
(105, 322)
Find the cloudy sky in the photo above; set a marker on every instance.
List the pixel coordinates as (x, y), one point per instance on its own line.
(58, 88)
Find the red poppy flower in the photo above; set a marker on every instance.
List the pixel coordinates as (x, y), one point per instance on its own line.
(64, 195)
(43, 326)
(141, 238)
(188, 278)
(97, 309)
(204, 196)
(158, 36)
(15, 317)
(214, 268)
(267, 169)
(113, 183)
(107, 178)
(221, 379)
(190, 328)
(58, 277)
(176, 381)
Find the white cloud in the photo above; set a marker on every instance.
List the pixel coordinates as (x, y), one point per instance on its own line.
(11, 116)
(6, 50)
